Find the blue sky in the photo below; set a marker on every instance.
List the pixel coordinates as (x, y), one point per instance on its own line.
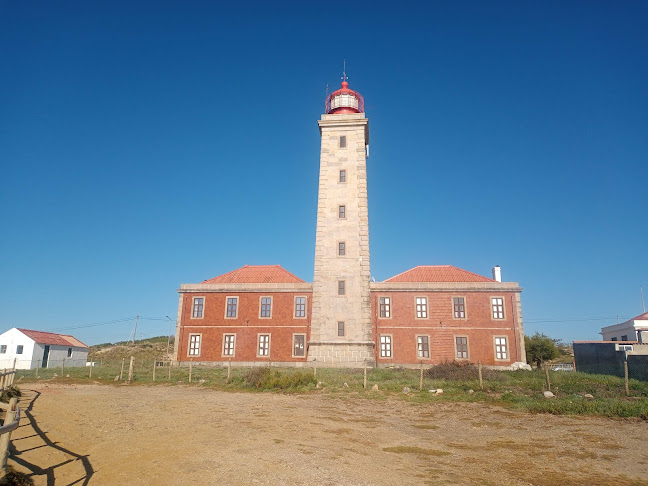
(148, 144)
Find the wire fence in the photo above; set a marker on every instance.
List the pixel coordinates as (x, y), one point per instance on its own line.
(604, 381)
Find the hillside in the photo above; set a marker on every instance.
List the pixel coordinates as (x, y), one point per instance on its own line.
(145, 349)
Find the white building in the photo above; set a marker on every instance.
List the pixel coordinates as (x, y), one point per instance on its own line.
(35, 349)
(635, 329)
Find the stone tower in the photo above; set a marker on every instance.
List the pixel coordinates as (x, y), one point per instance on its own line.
(341, 333)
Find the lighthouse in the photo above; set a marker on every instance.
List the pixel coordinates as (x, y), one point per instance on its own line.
(341, 333)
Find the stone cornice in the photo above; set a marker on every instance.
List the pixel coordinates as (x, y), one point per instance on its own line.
(445, 286)
(247, 287)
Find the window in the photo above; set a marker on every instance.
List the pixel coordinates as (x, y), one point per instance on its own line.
(232, 308)
(198, 306)
(421, 307)
(461, 344)
(266, 307)
(300, 306)
(194, 344)
(459, 307)
(624, 337)
(340, 328)
(614, 339)
(341, 248)
(19, 349)
(423, 346)
(69, 353)
(385, 347)
(497, 304)
(342, 175)
(501, 351)
(341, 287)
(264, 345)
(228, 344)
(385, 307)
(342, 212)
(3, 349)
(299, 345)
(343, 141)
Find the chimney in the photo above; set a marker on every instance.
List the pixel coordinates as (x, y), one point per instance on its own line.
(497, 273)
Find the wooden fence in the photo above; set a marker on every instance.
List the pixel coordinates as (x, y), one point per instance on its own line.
(11, 419)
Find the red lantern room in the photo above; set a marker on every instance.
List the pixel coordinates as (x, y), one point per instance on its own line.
(344, 100)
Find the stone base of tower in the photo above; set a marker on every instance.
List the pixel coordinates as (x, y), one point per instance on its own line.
(342, 355)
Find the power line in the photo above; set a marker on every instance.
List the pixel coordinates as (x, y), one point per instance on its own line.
(576, 319)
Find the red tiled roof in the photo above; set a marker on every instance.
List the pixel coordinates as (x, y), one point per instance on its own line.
(438, 273)
(52, 338)
(257, 274)
(642, 317)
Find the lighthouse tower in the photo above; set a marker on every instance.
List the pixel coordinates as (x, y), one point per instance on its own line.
(341, 333)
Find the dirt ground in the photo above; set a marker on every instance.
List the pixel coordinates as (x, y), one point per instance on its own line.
(173, 435)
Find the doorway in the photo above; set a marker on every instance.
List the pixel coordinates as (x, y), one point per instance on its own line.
(45, 356)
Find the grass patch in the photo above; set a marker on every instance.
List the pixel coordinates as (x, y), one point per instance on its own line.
(271, 379)
(415, 450)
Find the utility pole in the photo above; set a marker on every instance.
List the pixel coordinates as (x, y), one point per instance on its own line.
(135, 331)
(169, 336)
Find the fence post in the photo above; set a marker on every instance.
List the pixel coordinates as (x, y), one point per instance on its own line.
(229, 370)
(14, 366)
(121, 373)
(421, 378)
(154, 364)
(2, 379)
(169, 371)
(625, 372)
(481, 379)
(4, 441)
(63, 366)
(364, 383)
(90, 369)
(548, 381)
(37, 370)
(190, 369)
(130, 369)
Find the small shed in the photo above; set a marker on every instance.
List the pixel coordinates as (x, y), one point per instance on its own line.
(27, 349)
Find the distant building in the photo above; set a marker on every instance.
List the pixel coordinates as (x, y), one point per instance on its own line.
(36, 349)
(429, 314)
(635, 329)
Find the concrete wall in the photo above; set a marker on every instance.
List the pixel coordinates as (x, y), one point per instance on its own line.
(12, 339)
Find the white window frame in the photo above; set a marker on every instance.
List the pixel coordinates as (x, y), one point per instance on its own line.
(495, 313)
(343, 248)
(301, 334)
(342, 213)
(295, 316)
(388, 307)
(386, 348)
(266, 348)
(3, 349)
(193, 307)
(421, 304)
(232, 344)
(465, 313)
(342, 176)
(194, 339)
(501, 354)
(227, 298)
(457, 357)
(419, 343)
(261, 316)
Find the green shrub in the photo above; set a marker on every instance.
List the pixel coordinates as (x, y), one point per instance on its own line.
(268, 379)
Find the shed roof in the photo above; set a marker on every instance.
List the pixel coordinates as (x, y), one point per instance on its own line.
(42, 337)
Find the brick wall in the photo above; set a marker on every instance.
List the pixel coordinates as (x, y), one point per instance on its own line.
(442, 327)
(246, 326)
